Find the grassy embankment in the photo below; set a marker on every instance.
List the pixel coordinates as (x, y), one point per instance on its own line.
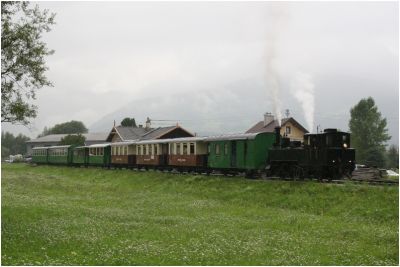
(61, 215)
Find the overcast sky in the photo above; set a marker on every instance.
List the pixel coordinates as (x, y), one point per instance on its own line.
(217, 67)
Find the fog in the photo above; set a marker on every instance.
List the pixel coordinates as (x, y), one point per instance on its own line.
(217, 67)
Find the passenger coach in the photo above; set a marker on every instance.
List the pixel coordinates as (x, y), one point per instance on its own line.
(123, 154)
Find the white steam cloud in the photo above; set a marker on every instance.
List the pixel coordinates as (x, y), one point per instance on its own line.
(303, 89)
(279, 18)
(274, 88)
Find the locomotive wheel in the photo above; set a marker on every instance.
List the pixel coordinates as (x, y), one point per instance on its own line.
(298, 173)
(284, 171)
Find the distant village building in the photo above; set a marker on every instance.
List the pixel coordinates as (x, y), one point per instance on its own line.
(289, 127)
(124, 133)
(55, 139)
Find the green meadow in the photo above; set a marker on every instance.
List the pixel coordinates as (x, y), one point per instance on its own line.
(76, 216)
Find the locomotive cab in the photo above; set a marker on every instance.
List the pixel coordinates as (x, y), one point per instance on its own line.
(330, 138)
(331, 151)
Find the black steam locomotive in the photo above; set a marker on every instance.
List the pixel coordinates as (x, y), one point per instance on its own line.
(324, 155)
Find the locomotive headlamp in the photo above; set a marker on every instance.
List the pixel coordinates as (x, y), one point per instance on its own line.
(345, 145)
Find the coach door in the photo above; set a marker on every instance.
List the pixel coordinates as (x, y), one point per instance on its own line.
(233, 153)
(164, 154)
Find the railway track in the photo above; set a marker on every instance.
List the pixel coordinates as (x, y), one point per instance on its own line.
(372, 180)
(342, 181)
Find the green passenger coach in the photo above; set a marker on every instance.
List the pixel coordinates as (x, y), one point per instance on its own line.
(239, 152)
(39, 155)
(99, 155)
(59, 155)
(80, 156)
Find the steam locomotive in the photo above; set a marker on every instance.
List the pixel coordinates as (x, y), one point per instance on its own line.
(322, 155)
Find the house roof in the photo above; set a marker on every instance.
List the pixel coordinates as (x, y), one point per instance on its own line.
(269, 128)
(57, 137)
(139, 133)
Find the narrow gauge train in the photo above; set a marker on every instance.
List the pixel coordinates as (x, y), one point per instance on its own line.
(322, 155)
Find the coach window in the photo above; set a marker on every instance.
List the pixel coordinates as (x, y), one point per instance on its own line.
(126, 150)
(191, 150)
(217, 149)
(184, 145)
(155, 149)
(178, 149)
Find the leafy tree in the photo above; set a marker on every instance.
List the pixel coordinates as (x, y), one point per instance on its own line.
(393, 157)
(71, 127)
(369, 132)
(12, 145)
(73, 139)
(22, 59)
(128, 122)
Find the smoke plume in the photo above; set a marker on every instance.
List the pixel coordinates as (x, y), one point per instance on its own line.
(303, 90)
(278, 20)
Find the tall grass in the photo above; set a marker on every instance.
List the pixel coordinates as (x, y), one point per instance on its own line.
(76, 216)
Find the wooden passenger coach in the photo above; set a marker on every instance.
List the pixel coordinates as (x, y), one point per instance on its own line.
(152, 153)
(123, 154)
(187, 152)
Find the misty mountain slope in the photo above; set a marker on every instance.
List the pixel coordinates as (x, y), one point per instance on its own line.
(222, 110)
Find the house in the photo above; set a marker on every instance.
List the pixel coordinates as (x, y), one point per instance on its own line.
(289, 127)
(55, 139)
(124, 133)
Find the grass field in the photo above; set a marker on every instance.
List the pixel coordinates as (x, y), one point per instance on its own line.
(71, 216)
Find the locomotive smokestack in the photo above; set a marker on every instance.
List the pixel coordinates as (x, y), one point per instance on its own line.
(277, 136)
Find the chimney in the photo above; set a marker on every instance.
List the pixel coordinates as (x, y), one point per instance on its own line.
(268, 118)
(277, 136)
(148, 123)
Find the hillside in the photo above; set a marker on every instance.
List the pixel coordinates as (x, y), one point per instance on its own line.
(71, 216)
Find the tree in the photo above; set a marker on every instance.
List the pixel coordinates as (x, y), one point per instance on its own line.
(73, 139)
(393, 157)
(22, 59)
(128, 122)
(71, 127)
(369, 132)
(12, 145)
